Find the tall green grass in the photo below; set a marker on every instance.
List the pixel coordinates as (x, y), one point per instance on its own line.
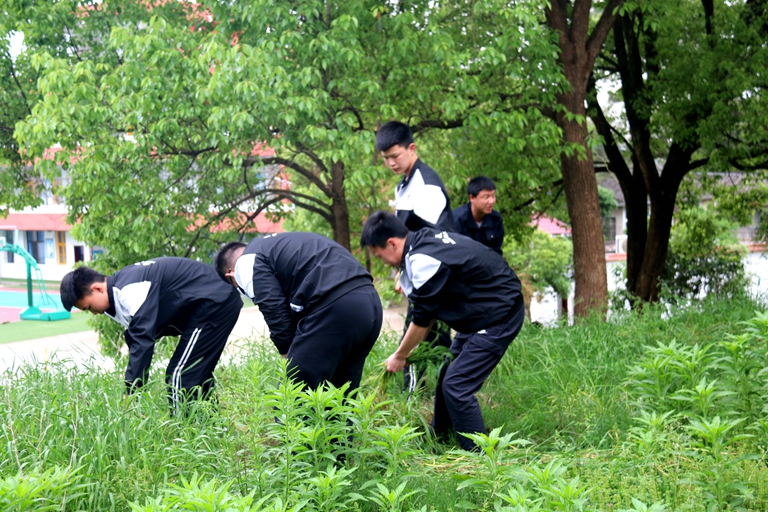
(658, 411)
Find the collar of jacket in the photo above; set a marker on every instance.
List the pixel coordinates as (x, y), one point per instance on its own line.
(406, 250)
(110, 285)
(407, 177)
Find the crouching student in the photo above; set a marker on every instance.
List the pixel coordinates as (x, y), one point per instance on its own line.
(163, 297)
(468, 286)
(323, 313)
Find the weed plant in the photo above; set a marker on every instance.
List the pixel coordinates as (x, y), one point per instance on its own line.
(663, 410)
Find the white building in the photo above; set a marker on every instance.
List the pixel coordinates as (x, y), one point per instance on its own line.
(43, 233)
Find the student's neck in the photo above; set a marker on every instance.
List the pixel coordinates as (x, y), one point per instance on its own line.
(409, 171)
(477, 215)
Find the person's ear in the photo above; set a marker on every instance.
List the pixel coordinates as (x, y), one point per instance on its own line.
(98, 287)
(230, 274)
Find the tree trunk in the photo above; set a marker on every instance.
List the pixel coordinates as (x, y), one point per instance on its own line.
(339, 210)
(580, 187)
(663, 194)
(578, 52)
(636, 206)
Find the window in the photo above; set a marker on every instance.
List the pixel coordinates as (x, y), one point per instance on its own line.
(10, 241)
(609, 228)
(36, 245)
(61, 247)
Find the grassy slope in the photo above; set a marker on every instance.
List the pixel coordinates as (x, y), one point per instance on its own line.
(566, 390)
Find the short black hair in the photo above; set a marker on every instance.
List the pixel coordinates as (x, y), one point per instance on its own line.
(477, 185)
(225, 258)
(77, 284)
(393, 133)
(380, 227)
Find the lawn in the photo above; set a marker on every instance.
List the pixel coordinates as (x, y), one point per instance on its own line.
(32, 329)
(651, 412)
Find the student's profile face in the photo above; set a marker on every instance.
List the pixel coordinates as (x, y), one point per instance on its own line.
(483, 201)
(388, 254)
(400, 159)
(97, 302)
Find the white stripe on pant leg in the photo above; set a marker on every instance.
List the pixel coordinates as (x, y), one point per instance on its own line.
(176, 376)
(412, 378)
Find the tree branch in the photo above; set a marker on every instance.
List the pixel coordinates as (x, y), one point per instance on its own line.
(250, 162)
(600, 32)
(434, 123)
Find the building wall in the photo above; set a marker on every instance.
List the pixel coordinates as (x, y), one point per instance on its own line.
(52, 269)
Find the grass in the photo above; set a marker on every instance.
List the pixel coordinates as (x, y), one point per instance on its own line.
(50, 286)
(31, 329)
(597, 416)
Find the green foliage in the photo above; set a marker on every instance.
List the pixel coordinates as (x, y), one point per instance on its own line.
(53, 489)
(704, 257)
(541, 262)
(569, 428)
(166, 118)
(607, 201)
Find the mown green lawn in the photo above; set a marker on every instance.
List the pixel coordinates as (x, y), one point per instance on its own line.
(31, 329)
(659, 411)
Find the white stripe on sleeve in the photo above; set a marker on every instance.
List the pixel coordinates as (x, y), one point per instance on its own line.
(421, 268)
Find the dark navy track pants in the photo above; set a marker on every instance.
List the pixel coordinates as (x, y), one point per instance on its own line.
(199, 351)
(475, 357)
(333, 340)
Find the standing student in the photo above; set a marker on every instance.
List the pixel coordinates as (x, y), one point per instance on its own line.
(452, 278)
(420, 197)
(420, 202)
(477, 219)
(163, 297)
(319, 302)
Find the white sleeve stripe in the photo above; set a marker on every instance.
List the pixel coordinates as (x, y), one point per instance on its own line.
(422, 268)
(244, 273)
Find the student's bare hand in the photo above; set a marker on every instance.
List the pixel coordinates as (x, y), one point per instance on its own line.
(395, 364)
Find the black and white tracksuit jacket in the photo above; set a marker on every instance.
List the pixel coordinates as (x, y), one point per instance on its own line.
(289, 274)
(421, 200)
(452, 278)
(159, 297)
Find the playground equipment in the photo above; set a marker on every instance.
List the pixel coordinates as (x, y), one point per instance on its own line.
(33, 312)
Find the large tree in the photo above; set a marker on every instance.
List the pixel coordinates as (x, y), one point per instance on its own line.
(43, 26)
(164, 138)
(581, 40)
(692, 84)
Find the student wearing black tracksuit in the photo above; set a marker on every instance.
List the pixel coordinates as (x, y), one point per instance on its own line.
(163, 297)
(421, 201)
(469, 287)
(319, 302)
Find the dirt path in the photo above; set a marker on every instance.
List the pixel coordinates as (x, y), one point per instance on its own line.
(82, 349)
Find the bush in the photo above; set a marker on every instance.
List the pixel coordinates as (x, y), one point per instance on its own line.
(704, 257)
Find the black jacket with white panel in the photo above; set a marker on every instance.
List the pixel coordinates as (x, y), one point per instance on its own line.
(455, 279)
(290, 274)
(159, 297)
(421, 200)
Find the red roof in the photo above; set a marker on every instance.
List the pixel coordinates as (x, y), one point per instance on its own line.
(57, 222)
(35, 222)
